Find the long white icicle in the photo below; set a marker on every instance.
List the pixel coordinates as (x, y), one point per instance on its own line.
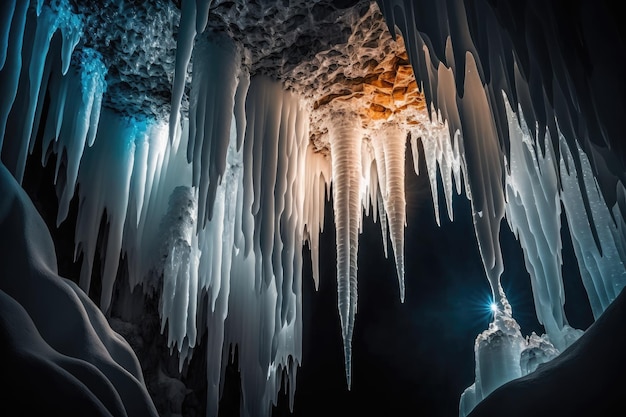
(394, 145)
(345, 146)
(184, 47)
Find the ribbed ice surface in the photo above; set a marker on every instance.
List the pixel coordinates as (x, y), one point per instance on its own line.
(389, 142)
(345, 150)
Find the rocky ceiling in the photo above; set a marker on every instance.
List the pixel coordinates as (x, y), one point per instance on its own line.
(328, 51)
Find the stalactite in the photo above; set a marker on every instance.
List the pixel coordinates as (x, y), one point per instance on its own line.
(390, 147)
(345, 148)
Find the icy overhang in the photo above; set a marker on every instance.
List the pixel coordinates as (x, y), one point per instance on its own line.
(324, 50)
(287, 40)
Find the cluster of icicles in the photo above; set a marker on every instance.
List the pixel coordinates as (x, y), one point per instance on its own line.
(215, 207)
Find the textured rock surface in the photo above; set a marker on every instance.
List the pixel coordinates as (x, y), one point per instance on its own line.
(138, 43)
(326, 50)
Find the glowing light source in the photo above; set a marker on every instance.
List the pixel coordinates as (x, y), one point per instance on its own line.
(493, 307)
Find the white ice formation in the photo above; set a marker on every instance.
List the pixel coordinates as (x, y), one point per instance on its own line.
(209, 207)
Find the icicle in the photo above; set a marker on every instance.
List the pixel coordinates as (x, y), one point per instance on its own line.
(12, 62)
(184, 47)
(159, 168)
(240, 105)
(218, 265)
(77, 120)
(601, 268)
(317, 176)
(7, 8)
(38, 7)
(483, 163)
(254, 296)
(370, 179)
(394, 145)
(202, 6)
(211, 107)
(441, 153)
(46, 26)
(40, 65)
(415, 153)
(381, 195)
(71, 26)
(345, 148)
(100, 191)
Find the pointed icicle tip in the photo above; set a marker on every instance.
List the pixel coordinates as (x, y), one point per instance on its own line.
(347, 353)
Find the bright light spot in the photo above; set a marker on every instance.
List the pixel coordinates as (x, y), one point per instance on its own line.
(494, 307)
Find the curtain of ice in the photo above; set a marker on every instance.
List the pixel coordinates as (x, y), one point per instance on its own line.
(534, 215)
(268, 216)
(252, 298)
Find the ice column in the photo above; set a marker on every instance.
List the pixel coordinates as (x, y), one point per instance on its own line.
(345, 149)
